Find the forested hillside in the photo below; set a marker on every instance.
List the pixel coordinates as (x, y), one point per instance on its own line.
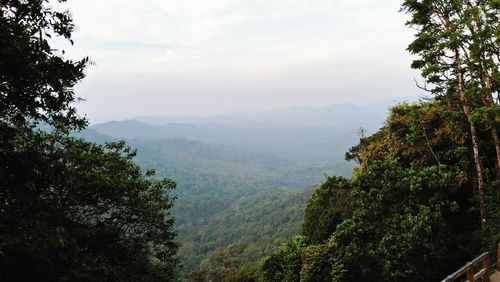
(255, 222)
(424, 199)
(244, 185)
(302, 133)
(390, 192)
(226, 197)
(401, 217)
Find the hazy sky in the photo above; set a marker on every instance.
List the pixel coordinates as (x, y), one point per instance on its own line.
(171, 57)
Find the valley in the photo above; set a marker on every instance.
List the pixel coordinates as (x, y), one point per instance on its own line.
(243, 181)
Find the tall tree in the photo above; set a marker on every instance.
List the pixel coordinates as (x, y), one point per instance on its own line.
(411, 218)
(457, 45)
(36, 80)
(70, 210)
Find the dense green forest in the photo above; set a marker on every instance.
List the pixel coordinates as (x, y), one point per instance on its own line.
(243, 183)
(406, 215)
(424, 197)
(256, 222)
(266, 198)
(228, 197)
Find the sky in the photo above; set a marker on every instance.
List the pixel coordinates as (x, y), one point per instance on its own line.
(208, 57)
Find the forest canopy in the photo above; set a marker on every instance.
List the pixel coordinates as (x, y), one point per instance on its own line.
(413, 213)
(423, 200)
(70, 210)
(424, 197)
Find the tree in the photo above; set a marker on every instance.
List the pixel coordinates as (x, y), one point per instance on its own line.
(411, 212)
(399, 231)
(283, 263)
(70, 210)
(318, 263)
(36, 80)
(328, 206)
(224, 266)
(458, 47)
(73, 210)
(413, 209)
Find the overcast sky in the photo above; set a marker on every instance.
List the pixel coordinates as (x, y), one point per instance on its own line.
(200, 57)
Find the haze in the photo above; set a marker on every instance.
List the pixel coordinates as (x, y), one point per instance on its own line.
(186, 57)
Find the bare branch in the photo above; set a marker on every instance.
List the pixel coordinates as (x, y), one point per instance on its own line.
(422, 87)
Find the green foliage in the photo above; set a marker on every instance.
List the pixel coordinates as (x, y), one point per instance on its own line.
(330, 204)
(412, 214)
(458, 53)
(415, 212)
(70, 210)
(318, 263)
(485, 115)
(73, 210)
(256, 220)
(413, 197)
(399, 230)
(36, 80)
(283, 264)
(224, 266)
(419, 134)
(227, 197)
(451, 33)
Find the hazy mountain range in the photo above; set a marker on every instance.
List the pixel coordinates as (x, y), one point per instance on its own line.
(223, 164)
(305, 116)
(305, 133)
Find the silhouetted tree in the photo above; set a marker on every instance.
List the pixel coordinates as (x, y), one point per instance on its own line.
(70, 210)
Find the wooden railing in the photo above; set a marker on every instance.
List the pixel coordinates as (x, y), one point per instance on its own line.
(469, 269)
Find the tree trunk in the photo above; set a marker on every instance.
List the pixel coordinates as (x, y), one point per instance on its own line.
(475, 140)
(480, 174)
(486, 78)
(494, 132)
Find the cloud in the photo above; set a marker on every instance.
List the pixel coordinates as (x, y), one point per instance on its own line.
(227, 44)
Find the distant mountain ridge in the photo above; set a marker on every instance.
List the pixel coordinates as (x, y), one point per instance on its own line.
(296, 139)
(296, 134)
(184, 160)
(252, 168)
(300, 116)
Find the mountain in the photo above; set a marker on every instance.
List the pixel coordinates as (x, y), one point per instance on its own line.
(242, 179)
(226, 196)
(332, 116)
(300, 133)
(191, 163)
(289, 142)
